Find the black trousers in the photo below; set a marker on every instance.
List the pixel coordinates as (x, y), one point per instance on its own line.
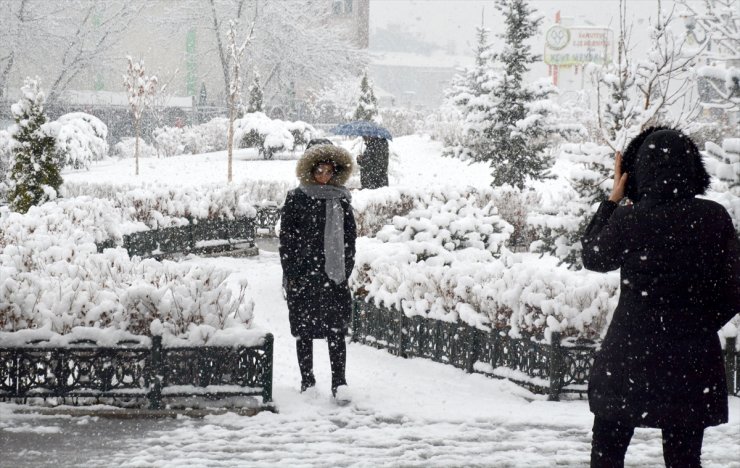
(681, 445)
(337, 359)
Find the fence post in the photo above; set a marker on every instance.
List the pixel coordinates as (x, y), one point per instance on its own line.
(267, 372)
(401, 334)
(355, 320)
(155, 373)
(473, 350)
(730, 364)
(556, 369)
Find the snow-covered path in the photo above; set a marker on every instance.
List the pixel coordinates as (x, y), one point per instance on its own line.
(406, 413)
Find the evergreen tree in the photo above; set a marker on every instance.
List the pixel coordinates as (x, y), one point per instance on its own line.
(35, 173)
(518, 149)
(471, 94)
(367, 108)
(256, 96)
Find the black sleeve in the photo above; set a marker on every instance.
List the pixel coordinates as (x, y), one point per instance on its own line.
(602, 242)
(729, 287)
(290, 247)
(350, 237)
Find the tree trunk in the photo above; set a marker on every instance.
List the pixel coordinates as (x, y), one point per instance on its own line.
(230, 143)
(136, 146)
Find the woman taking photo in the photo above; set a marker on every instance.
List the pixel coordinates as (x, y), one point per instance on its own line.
(660, 364)
(317, 252)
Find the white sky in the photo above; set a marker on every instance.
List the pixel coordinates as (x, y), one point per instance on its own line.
(441, 21)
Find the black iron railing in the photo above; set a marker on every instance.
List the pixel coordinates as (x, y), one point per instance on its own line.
(131, 370)
(555, 368)
(199, 236)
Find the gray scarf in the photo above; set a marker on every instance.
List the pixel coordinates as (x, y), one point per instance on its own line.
(334, 227)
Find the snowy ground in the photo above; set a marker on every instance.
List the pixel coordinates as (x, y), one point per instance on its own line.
(406, 413)
(412, 413)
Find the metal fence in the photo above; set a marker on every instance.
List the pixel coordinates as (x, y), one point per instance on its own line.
(199, 236)
(555, 368)
(132, 371)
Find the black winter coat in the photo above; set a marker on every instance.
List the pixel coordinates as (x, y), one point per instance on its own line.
(660, 364)
(374, 164)
(315, 303)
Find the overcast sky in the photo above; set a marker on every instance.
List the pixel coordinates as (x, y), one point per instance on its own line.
(441, 21)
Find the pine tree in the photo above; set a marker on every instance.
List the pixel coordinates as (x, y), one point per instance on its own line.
(518, 152)
(471, 94)
(35, 173)
(256, 95)
(367, 108)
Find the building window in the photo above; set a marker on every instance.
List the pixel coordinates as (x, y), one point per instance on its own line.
(336, 7)
(347, 7)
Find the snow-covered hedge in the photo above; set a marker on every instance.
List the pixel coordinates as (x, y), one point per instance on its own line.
(165, 206)
(447, 259)
(81, 139)
(52, 279)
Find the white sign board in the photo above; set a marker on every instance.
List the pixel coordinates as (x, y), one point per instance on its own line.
(578, 46)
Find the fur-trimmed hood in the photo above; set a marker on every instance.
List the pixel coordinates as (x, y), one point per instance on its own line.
(316, 154)
(663, 163)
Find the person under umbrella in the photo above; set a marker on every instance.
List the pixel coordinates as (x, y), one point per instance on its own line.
(373, 163)
(660, 364)
(317, 251)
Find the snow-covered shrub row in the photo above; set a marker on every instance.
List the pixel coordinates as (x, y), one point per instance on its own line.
(448, 260)
(165, 206)
(81, 139)
(126, 148)
(53, 280)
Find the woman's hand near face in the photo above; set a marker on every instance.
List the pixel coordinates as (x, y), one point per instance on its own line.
(620, 180)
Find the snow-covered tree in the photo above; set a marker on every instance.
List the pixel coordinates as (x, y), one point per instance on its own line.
(76, 37)
(518, 153)
(367, 107)
(141, 90)
(256, 96)
(633, 96)
(236, 52)
(471, 93)
(35, 172)
(316, 42)
(719, 23)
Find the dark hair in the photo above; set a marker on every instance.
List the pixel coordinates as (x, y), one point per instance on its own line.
(319, 141)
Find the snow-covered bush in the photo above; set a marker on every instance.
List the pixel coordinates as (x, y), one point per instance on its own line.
(169, 141)
(53, 280)
(206, 137)
(723, 162)
(126, 149)
(447, 259)
(256, 130)
(157, 205)
(301, 131)
(81, 139)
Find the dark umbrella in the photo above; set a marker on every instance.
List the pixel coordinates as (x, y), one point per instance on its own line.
(362, 128)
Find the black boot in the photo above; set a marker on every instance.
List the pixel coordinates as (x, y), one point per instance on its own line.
(304, 349)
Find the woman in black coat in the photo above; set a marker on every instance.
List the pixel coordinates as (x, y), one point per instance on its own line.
(317, 253)
(660, 364)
